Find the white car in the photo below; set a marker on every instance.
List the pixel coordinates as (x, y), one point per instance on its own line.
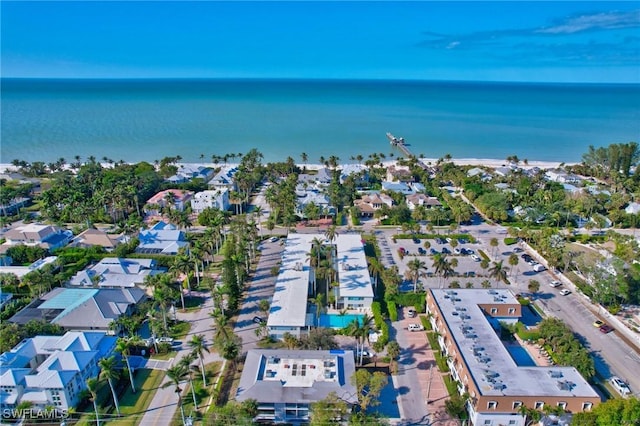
(411, 313)
(365, 354)
(475, 257)
(165, 340)
(565, 292)
(273, 239)
(415, 327)
(555, 284)
(620, 386)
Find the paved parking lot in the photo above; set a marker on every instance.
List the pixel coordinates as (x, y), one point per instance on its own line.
(138, 362)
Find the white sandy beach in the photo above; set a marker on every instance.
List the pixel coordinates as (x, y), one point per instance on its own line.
(486, 162)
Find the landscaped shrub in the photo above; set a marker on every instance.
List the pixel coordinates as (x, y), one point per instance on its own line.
(510, 241)
(393, 311)
(417, 300)
(425, 323)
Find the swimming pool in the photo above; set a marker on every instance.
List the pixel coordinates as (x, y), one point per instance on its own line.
(521, 356)
(338, 321)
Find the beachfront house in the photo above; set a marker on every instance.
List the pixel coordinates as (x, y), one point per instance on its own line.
(189, 172)
(405, 188)
(52, 371)
(296, 281)
(317, 181)
(286, 382)
(33, 234)
(115, 272)
(77, 309)
(397, 173)
(212, 199)
(497, 375)
(360, 173)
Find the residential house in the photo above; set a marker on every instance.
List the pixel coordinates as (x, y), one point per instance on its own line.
(115, 272)
(82, 308)
(477, 171)
(33, 234)
(561, 176)
(633, 208)
(306, 197)
(317, 181)
(498, 384)
(20, 271)
(52, 371)
(13, 206)
(359, 171)
(286, 382)
(372, 202)
(212, 199)
(224, 178)
(171, 198)
(188, 172)
(162, 238)
(426, 201)
(405, 188)
(397, 173)
(96, 237)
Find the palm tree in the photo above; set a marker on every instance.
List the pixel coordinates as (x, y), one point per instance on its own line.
(92, 387)
(442, 266)
(416, 270)
(498, 272)
(355, 330)
(176, 374)
(186, 361)
(108, 370)
(513, 262)
(122, 346)
(199, 347)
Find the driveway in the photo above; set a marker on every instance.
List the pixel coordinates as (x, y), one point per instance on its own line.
(260, 287)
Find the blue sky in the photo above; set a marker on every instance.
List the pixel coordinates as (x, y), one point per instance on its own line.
(482, 41)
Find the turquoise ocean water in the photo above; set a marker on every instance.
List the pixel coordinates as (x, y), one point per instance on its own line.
(134, 120)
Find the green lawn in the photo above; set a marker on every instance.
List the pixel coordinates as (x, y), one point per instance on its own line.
(202, 394)
(179, 330)
(133, 405)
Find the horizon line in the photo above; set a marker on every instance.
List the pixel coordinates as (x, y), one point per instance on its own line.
(320, 79)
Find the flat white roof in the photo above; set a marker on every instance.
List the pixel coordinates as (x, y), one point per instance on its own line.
(353, 272)
(491, 366)
(289, 303)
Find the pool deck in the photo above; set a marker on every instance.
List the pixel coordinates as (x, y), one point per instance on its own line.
(538, 354)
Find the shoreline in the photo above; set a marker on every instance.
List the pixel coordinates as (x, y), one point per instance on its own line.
(480, 162)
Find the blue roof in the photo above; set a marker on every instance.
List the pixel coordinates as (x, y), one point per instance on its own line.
(69, 299)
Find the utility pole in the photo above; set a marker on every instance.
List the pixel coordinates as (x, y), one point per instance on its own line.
(429, 384)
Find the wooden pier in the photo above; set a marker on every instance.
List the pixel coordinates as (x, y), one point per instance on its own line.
(400, 144)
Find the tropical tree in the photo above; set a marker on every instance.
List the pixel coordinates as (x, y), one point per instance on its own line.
(499, 272)
(92, 387)
(369, 386)
(177, 374)
(494, 245)
(513, 262)
(534, 286)
(109, 371)
(123, 346)
(186, 361)
(416, 270)
(199, 347)
(442, 266)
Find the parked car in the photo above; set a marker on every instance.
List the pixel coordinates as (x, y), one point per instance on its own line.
(518, 250)
(555, 284)
(620, 386)
(402, 250)
(273, 239)
(416, 240)
(164, 339)
(411, 313)
(565, 292)
(446, 250)
(606, 328)
(598, 323)
(415, 327)
(539, 268)
(457, 250)
(462, 241)
(365, 354)
(258, 320)
(434, 251)
(475, 257)
(422, 251)
(526, 257)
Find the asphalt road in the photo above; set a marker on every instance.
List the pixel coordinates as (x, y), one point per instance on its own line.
(613, 356)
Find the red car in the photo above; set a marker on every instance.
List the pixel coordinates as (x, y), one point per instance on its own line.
(606, 329)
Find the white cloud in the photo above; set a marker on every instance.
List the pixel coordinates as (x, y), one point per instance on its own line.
(597, 21)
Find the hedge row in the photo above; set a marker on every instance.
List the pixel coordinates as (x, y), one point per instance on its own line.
(393, 310)
(417, 300)
(381, 325)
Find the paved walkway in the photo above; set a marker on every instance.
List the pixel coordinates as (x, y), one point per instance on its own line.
(164, 403)
(421, 386)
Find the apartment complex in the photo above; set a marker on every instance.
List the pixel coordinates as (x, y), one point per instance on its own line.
(290, 311)
(286, 382)
(467, 321)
